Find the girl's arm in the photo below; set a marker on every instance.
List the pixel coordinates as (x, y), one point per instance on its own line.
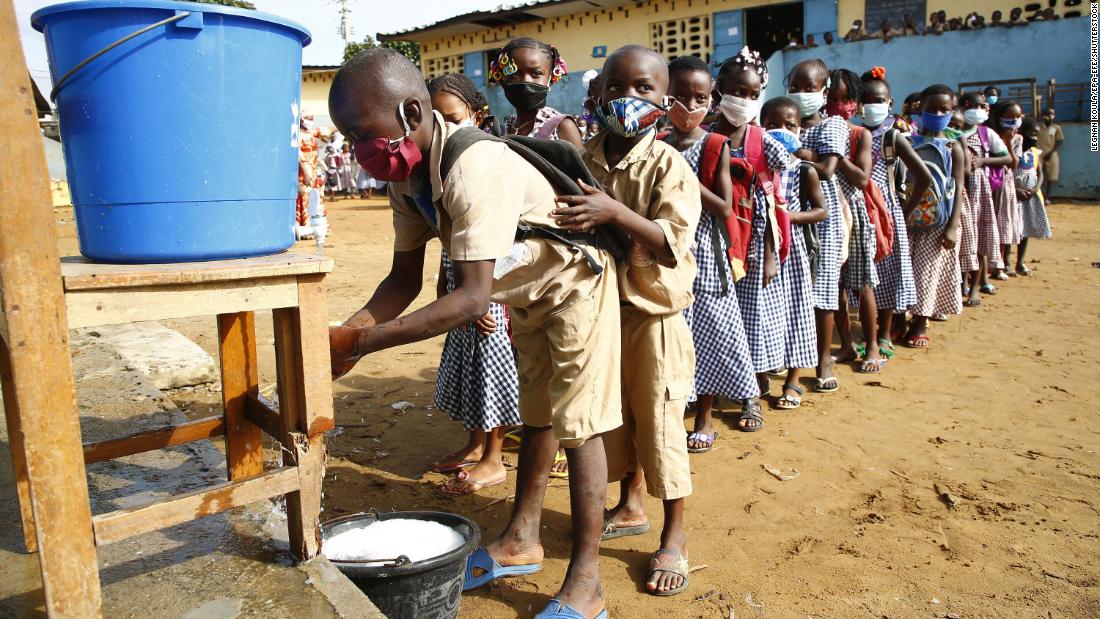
(999, 160)
(952, 229)
(826, 165)
(857, 170)
(720, 202)
(817, 212)
(1013, 160)
(922, 177)
(570, 132)
(771, 268)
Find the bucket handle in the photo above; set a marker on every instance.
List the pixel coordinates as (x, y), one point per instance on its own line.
(65, 78)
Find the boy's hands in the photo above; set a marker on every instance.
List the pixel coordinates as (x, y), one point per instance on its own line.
(347, 346)
(582, 213)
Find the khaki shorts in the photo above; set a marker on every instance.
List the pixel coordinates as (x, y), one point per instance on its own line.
(568, 363)
(657, 382)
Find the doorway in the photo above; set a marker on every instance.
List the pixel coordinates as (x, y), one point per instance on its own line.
(770, 28)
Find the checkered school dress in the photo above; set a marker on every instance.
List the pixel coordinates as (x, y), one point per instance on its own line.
(723, 366)
(982, 208)
(1009, 214)
(896, 289)
(859, 270)
(477, 383)
(764, 309)
(801, 335)
(829, 137)
(1036, 224)
(968, 234)
(935, 272)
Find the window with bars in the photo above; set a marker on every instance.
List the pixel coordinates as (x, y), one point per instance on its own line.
(434, 67)
(689, 36)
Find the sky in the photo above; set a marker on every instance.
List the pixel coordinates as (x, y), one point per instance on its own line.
(321, 17)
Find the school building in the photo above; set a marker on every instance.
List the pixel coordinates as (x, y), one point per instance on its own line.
(316, 81)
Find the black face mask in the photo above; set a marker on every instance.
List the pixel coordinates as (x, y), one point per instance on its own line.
(526, 96)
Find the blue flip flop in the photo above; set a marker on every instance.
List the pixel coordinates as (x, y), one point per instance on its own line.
(556, 610)
(480, 559)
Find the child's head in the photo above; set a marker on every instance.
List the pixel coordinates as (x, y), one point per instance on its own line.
(875, 100)
(1048, 116)
(378, 99)
(689, 87)
(1029, 128)
(1015, 13)
(740, 84)
(845, 92)
(992, 94)
(996, 16)
(781, 118)
(958, 122)
(457, 99)
(1007, 115)
(936, 103)
(630, 74)
(974, 108)
(806, 84)
(527, 68)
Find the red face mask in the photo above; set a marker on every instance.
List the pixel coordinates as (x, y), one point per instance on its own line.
(843, 109)
(390, 160)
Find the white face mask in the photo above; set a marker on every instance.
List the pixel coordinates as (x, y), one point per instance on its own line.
(808, 102)
(739, 111)
(975, 116)
(307, 124)
(874, 114)
(466, 122)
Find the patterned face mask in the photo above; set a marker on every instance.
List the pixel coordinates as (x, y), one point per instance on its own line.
(686, 120)
(629, 116)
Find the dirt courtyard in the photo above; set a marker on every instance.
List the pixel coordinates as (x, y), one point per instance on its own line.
(995, 414)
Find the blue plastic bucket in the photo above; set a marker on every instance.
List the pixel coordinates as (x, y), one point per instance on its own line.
(181, 143)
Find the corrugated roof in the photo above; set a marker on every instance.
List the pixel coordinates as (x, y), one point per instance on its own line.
(505, 15)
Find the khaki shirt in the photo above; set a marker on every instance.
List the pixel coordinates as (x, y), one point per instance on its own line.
(656, 182)
(489, 191)
(1048, 137)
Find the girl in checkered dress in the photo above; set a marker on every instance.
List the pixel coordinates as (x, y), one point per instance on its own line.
(858, 274)
(1005, 119)
(933, 250)
(723, 366)
(896, 291)
(1029, 178)
(806, 206)
(477, 383)
(741, 81)
(987, 151)
(824, 143)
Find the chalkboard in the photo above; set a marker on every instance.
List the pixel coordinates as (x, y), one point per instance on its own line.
(893, 10)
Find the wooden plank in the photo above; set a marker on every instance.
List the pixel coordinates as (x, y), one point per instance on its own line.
(15, 444)
(316, 363)
(92, 308)
(81, 274)
(240, 378)
(263, 415)
(38, 346)
(126, 523)
(142, 442)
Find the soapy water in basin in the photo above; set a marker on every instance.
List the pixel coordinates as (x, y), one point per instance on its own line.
(385, 540)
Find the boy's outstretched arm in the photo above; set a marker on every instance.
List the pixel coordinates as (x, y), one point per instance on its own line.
(595, 208)
(396, 292)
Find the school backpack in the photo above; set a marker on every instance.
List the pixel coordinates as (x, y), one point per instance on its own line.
(809, 231)
(936, 206)
(895, 168)
(708, 173)
(560, 164)
(748, 173)
(996, 173)
(877, 211)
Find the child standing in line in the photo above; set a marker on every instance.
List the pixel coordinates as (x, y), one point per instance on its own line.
(477, 383)
(897, 291)
(824, 143)
(934, 252)
(858, 274)
(1029, 179)
(656, 201)
(723, 366)
(740, 83)
(1006, 119)
(987, 154)
(801, 187)
(527, 69)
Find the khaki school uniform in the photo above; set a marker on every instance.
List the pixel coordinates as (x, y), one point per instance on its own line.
(1049, 136)
(658, 374)
(565, 319)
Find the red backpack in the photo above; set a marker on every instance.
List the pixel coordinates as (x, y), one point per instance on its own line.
(747, 173)
(877, 211)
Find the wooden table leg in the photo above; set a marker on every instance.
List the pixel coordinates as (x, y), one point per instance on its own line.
(15, 443)
(240, 377)
(305, 403)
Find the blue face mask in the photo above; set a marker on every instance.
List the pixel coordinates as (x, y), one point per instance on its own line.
(1012, 124)
(934, 122)
(991, 99)
(788, 139)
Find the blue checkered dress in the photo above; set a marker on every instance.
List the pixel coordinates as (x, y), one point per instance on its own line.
(829, 137)
(477, 383)
(896, 289)
(795, 274)
(764, 309)
(723, 366)
(859, 270)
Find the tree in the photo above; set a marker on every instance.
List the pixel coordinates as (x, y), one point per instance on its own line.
(240, 4)
(408, 49)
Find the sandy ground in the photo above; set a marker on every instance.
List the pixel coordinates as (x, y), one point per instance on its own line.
(997, 413)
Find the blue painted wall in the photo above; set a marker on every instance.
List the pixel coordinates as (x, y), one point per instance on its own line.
(1080, 168)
